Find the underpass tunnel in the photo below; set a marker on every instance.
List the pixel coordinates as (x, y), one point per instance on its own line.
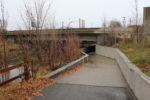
(88, 46)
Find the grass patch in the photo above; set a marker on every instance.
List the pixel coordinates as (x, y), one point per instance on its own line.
(138, 55)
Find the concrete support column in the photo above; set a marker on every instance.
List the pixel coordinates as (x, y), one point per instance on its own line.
(98, 39)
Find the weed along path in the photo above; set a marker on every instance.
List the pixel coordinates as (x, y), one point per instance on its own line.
(100, 79)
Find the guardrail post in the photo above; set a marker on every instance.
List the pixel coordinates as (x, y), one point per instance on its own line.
(26, 69)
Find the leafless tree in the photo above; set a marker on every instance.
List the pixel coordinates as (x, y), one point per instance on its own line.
(104, 25)
(114, 24)
(137, 19)
(48, 46)
(34, 18)
(137, 22)
(3, 29)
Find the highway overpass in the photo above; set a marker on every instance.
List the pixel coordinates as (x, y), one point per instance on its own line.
(88, 36)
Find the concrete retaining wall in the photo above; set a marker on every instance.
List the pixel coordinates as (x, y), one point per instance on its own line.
(74, 63)
(137, 81)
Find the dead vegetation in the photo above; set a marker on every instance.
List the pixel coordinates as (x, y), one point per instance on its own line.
(28, 89)
(36, 46)
(46, 48)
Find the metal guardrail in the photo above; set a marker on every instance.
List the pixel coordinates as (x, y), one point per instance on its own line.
(5, 70)
(11, 68)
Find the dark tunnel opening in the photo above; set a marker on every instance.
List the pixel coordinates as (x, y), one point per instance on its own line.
(88, 47)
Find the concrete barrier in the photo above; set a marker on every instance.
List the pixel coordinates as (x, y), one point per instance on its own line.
(76, 62)
(138, 82)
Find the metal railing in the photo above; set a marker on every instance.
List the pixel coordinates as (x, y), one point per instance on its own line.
(5, 80)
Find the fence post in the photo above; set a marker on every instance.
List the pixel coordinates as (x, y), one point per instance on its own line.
(26, 69)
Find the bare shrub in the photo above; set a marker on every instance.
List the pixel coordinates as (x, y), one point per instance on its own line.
(61, 48)
(45, 47)
(3, 47)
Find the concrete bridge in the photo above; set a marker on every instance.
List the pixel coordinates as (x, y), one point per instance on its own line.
(85, 34)
(88, 36)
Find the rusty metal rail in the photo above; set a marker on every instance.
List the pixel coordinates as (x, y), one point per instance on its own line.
(10, 80)
(9, 69)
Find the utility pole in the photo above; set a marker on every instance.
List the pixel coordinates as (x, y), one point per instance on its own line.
(130, 21)
(104, 29)
(104, 24)
(136, 19)
(62, 25)
(124, 24)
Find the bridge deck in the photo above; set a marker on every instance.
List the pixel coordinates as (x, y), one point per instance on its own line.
(101, 79)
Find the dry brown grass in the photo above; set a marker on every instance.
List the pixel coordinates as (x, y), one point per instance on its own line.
(43, 71)
(24, 90)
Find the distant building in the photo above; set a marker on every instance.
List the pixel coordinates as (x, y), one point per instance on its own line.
(134, 28)
(146, 20)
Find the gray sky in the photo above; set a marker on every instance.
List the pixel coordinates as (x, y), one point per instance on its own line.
(92, 11)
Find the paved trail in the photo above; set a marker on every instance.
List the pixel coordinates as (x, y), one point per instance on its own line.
(101, 79)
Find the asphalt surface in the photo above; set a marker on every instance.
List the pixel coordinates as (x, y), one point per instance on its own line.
(100, 79)
(84, 92)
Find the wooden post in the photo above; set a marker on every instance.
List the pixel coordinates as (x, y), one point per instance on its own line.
(26, 69)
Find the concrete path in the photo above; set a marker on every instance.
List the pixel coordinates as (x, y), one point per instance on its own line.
(99, 71)
(100, 79)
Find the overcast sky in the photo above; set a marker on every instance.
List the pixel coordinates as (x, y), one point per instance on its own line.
(92, 11)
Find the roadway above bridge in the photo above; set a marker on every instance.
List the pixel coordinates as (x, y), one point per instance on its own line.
(72, 30)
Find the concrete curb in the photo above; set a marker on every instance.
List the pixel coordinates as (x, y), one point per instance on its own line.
(82, 59)
(138, 82)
